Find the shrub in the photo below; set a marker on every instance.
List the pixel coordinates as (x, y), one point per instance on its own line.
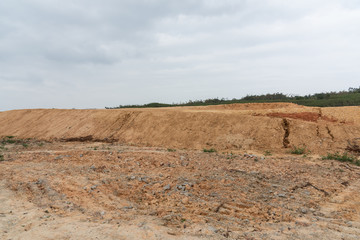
(345, 157)
(298, 150)
(267, 153)
(2, 158)
(209, 150)
(171, 150)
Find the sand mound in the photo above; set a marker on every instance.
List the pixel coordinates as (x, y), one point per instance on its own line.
(235, 127)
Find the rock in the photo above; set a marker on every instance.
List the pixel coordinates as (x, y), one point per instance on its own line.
(303, 210)
(181, 187)
(167, 187)
(212, 229)
(282, 195)
(213, 194)
(185, 200)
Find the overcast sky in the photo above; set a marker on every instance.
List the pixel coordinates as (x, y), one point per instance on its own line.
(92, 54)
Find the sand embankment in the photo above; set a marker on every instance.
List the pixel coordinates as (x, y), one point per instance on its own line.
(257, 127)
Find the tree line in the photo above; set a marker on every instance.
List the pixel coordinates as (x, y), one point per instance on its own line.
(350, 97)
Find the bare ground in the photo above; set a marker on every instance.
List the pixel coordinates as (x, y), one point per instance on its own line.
(57, 190)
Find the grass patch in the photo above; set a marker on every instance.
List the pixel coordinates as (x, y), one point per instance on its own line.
(298, 150)
(345, 157)
(211, 150)
(171, 150)
(2, 158)
(12, 140)
(8, 140)
(267, 153)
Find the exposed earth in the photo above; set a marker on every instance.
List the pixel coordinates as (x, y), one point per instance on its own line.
(144, 174)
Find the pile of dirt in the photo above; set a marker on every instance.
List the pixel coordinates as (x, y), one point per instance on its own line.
(234, 127)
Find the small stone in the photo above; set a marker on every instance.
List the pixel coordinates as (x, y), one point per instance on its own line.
(303, 210)
(167, 187)
(185, 200)
(282, 195)
(212, 229)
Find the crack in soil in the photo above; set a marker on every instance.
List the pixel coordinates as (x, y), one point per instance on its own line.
(286, 126)
(329, 132)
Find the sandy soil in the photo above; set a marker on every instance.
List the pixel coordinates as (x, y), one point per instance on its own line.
(237, 127)
(111, 191)
(142, 174)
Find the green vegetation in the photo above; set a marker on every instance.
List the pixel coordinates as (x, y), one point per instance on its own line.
(267, 153)
(8, 140)
(171, 150)
(11, 140)
(298, 150)
(345, 157)
(2, 158)
(211, 150)
(351, 97)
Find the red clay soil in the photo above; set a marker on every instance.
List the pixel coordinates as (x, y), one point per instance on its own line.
(305, 116)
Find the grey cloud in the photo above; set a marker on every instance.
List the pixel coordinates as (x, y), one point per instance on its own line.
(137, 51)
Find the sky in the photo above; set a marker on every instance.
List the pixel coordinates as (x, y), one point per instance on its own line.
(92, 54)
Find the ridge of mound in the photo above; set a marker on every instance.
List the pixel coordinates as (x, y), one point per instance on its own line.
(235, 127)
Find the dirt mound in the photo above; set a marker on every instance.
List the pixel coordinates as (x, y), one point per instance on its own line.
(235, 127)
